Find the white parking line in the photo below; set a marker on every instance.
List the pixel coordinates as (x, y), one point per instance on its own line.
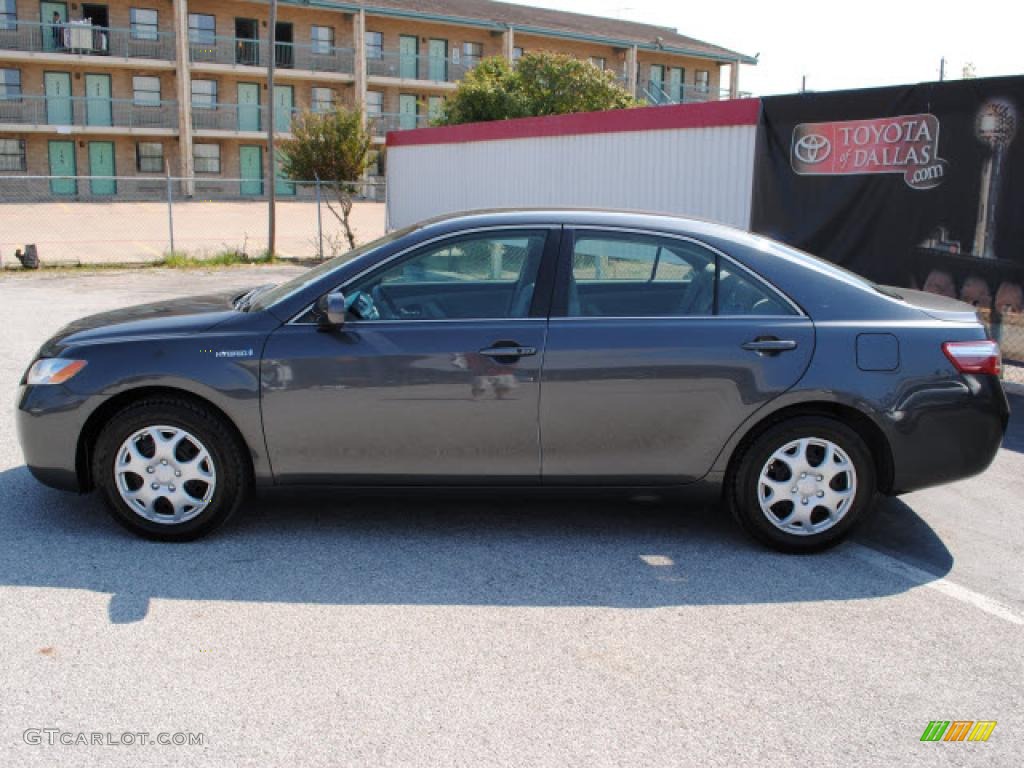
(925, 579)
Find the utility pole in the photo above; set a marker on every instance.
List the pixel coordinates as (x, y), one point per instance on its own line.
(942, 69)
(803, 84)
(271, 158)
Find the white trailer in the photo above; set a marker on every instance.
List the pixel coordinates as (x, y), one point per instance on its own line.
(689, 159)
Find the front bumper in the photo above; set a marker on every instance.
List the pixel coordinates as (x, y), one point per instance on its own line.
(49, 421)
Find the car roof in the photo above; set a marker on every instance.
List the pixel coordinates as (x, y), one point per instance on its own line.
(586, 217)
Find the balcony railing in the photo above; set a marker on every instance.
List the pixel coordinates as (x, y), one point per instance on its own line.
(381, 123)
(79, 38)
(438, 69)
(88, 111)
(241, 117)
(253, 53)
(655, 92)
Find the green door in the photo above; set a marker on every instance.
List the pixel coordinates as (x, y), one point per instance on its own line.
(58, 97)
(101, 163)
(53, 34)
(407, 109)
(283, 101)
(435, 108)
(438, 60)
(408, 53)
(98, 108)
(248, 107)
(62, 163)
(675, 84)
(282, 186)
(250, 161)
(657, 89)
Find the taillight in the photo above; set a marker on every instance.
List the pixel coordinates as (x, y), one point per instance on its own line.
(973, 356)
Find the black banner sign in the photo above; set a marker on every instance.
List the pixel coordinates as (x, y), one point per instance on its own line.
(918, 186)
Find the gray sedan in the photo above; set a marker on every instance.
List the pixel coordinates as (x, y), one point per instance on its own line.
(527, 349)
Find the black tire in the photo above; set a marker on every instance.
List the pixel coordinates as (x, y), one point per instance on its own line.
(743, 491)
(226, 450)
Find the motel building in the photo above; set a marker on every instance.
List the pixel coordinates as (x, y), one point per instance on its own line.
(178, 87)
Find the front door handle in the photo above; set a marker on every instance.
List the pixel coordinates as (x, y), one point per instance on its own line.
(509, 351)
(769, 346)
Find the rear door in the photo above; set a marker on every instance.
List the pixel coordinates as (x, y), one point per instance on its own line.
(440, 382)
(658, 348)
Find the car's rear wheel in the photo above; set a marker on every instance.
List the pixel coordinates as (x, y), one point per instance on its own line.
(170, 469)
(803, 484)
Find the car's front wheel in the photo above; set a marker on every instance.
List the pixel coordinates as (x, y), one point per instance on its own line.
(803, 484)
(170, 469)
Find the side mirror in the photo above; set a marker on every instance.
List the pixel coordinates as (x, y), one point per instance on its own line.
(332, 309)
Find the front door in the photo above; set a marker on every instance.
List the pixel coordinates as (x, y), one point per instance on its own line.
(435, 108)
(248, 107)
(62, 163)
(98, 107)
(657, 83)
(645, 374)
(408, 55)
(58, 98)
(675, 84)
(250, 162)
(438, 60)
(101, 163)
(435, 377)
(247, 42)
(284, 50)
(282, 185)
(52, 28)
(283, 104)
(407, 111)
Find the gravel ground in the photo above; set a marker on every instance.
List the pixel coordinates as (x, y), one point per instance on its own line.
(319, 629)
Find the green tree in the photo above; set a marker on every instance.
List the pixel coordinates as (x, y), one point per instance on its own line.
(541, 83)
(334, 147)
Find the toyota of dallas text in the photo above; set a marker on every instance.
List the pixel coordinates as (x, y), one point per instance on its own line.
(532, 349)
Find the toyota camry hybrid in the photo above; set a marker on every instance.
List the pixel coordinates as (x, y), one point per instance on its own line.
(547, 349)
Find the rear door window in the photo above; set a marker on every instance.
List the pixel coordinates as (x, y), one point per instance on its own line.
(637, 275)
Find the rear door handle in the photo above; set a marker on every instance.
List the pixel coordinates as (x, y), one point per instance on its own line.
(509, 351)
(769, 346)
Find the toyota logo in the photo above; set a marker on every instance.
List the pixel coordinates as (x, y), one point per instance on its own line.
(812, 148)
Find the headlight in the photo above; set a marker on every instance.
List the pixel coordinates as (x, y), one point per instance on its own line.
(53, 370)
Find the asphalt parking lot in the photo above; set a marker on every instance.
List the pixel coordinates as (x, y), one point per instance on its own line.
(327, 630)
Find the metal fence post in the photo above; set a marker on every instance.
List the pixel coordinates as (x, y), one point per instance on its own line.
(170, 210)
(319, 223)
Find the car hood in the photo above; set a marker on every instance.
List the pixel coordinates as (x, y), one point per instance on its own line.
(189, 315)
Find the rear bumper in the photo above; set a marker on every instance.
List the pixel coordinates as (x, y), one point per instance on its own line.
(946, 432)
(49, 421)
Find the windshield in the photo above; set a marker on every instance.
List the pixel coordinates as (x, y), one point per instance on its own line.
(270, 297)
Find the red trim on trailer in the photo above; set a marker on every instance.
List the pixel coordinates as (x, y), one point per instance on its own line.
(706, 115)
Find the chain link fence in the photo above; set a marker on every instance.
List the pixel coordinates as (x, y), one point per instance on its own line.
(73, 220)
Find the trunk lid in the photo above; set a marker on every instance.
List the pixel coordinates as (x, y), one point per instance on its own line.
(934, 305)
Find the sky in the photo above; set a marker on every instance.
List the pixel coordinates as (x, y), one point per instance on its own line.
(839, 44)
